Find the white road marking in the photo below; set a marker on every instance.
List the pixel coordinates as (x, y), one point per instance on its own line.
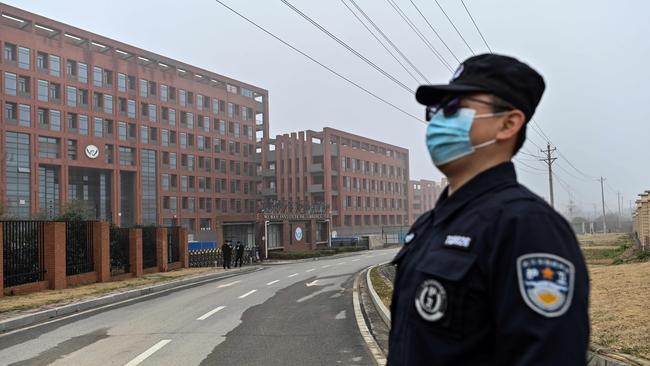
(272, 282)
(310, 270)
(313, 283)
(209, 313)
(248, 293)
(228, 284)
(144, 355)
(340, 315)
(341, 263)
(325, 266)
(295, 274)
(355, 260)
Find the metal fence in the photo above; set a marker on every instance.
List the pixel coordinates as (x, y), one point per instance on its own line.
(394, 234)
(119, 250)
(149, 247)
(173, 245)
(214, 257)
(24, 252)
(79, 247)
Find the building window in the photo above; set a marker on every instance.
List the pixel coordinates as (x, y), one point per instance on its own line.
(24, 115)
(127, 156)
(11, 83)
(182, 97)
(121, 131)
(48, 147)
(97, 76)
(55, 120)
(71, 96)
(17, 155)
(83, 125)
(144, 134)
(10, 53)
(48, 190)
(41, 61)
(55, 65)
(144, 88)
(24, 86)
(23, 58)
(172, 117)
(164, 92)
(121, 82)
(131, 108)
(83, 73)
(108, 154)
(72, 149)
(148, 181)
(108, 104)
(152, 113)
(43, 90)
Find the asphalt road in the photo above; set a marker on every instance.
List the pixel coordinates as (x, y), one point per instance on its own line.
(293, 314)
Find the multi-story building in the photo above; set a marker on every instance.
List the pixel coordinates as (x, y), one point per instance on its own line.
(363, 182)
(423, 195)
(137, 136)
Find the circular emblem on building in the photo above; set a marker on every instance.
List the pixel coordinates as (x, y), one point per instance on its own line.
(431, 300)
(92, 151)
(298, 234)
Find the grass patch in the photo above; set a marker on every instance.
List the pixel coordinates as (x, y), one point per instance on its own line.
(383, 289)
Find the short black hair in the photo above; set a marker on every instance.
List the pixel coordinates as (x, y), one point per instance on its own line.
(503, 106)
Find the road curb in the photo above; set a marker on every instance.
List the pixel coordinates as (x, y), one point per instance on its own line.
(384, 313)
(315, 259)
(371, 343)
(77, 308)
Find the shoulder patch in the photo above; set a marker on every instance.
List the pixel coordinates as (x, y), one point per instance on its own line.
(546, 283)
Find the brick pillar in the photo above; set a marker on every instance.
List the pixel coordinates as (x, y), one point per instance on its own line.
(183, 255)
(286, 235)
(161, 248)
(102, 250)
(135, 251)
(2, 279)
(55, 255)
(312, 229)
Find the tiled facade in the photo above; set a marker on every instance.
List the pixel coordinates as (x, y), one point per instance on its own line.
(139, 137)
(423, 195)
(362, 181)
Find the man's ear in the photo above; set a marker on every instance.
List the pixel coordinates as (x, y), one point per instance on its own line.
(512, 122)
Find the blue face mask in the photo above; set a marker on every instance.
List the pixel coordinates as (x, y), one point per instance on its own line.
(448, 137)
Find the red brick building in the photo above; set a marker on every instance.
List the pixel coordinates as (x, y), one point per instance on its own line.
(138, 137)
(424, 194)
(362, 182)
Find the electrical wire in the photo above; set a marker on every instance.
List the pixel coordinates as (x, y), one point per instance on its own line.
(355, 52)
(434, 31)
(378, 40)
(374, 25)
(476, 26)
(456, 29)
(319, 63)
(415, 29)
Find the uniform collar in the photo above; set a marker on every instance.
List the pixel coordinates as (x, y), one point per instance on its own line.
(488, 180)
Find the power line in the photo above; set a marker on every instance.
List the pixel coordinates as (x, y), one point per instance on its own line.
(456, 29)
(355, 52)
(434, 31)
(476, 26)
(318, 62)
(415, 29)
(380, 42)
(540, 171)
(388, 40)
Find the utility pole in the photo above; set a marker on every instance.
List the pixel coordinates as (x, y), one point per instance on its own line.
(619, 211)
(549, 159)
(602, 195)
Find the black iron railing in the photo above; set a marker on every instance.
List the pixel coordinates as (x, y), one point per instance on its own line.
(79, 247)
(149, 247)
(24, 252)
(173, 245)
(119, 250)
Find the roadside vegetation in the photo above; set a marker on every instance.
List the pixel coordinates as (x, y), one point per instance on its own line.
(382, 286)
(313, 254)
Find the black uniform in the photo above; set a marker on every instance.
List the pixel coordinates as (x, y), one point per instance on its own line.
(491, 276)
(239, 252)
(226, 250)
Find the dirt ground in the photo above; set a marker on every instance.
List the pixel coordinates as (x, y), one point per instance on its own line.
(13, 305)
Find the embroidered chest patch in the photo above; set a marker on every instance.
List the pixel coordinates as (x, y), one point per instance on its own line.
(546, 283)
(458, 241)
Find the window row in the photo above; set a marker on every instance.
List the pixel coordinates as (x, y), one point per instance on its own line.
(185, 183)
(208, 205)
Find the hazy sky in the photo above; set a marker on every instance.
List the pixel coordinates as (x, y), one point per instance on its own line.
(593, 55)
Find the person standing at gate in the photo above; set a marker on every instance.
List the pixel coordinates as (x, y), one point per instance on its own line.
(226, 251)
(239, 251)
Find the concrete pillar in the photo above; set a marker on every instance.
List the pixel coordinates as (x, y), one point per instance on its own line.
(183, 255)
(2, 279)
(55, 255)
(135, 251)
(102, 251)
(161, 248)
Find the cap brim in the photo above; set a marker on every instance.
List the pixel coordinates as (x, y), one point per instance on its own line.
(433, 94)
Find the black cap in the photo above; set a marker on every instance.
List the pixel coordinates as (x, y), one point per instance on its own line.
(503, 76)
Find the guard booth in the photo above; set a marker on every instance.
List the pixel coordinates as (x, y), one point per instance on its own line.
(293, 226)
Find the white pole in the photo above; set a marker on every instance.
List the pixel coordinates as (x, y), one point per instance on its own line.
(266, 239)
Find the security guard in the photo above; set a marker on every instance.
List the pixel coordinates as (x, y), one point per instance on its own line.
(492, 275)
